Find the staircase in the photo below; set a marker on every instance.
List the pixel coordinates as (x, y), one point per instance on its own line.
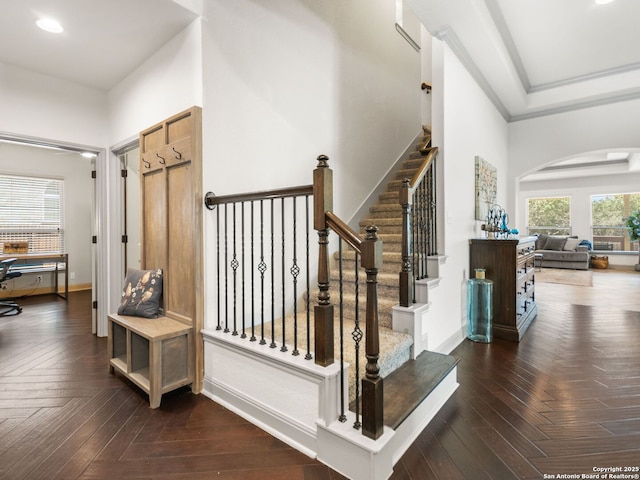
(386, 214)
(395, 347)
(259, 381)
(416, 385)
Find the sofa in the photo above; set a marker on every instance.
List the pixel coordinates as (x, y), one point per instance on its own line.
(560, 251)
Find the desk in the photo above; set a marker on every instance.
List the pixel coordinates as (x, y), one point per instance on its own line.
(41, 259)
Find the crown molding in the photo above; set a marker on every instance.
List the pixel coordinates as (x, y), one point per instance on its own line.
(448, 35)
(505, 34)
(598, 102)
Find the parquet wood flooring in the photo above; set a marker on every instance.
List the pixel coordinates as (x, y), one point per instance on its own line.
(566, 399)
(63, 416)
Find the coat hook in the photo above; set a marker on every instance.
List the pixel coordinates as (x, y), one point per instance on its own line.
(178, 154)
(161, 158)
(146, 164)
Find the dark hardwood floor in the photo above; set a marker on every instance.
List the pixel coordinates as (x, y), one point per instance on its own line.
(564, 400)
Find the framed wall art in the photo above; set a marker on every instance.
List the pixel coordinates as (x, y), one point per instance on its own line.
(486, 187)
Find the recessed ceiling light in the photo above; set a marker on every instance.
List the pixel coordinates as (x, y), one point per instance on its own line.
(603, 2)
(49, 25)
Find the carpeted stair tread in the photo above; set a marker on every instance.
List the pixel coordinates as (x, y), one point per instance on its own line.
(387, 257)
(385, 309)
(389, 197)
(395, 347)
(385, 279)
(390, 238)
(373, 219)
(406, 173)
(394, 185)
(394, 209)
(413, 163)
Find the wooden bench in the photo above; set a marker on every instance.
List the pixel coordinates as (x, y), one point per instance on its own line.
(154, 353)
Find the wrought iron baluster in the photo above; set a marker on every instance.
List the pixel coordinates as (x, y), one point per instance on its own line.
(226, 273)
(406, 278)
(423, 229)
(357, 338)
(308, 355)
(418, 221)
(244, 333)
(234, 267)
(283, 348)
(253, 304)
(421, 223)
(273, 271)
(427, 226)
(433, 232)
(342, 417)
(295, 271)
(218, 326)
(262, 267)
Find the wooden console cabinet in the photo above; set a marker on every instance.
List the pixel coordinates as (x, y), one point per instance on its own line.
(510, 264)
(154, 353)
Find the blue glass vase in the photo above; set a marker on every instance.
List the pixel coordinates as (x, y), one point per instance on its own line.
(479, 308)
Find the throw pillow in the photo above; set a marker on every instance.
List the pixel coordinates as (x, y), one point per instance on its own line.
(141, 293)
(541, 240)
(555, 243)
(571, 244)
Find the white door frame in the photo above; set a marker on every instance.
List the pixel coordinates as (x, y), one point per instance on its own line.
(101, 286)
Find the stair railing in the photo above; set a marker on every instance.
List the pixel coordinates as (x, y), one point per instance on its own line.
(369, 250)
(419, 234)
(262, 262)
(262, 265)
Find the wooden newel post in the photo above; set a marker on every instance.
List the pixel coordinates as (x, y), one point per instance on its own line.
(372, 392)
(323, 311)
(406, 297)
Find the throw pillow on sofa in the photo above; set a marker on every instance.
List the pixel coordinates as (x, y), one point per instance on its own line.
(555, 243)
(541, 239)
(571, 244)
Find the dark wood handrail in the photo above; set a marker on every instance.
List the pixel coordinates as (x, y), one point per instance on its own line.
(421, 172)
(409, 187)
(211, 200)
(344, 231)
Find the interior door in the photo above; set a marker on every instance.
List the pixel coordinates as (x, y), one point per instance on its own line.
(130, 215)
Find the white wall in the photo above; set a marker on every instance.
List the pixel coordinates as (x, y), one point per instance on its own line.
(471, 126)
(169, 82)
(45, 107)
(78, 189)
(288, 80)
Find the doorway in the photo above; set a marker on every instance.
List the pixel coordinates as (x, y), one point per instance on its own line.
(26, 158)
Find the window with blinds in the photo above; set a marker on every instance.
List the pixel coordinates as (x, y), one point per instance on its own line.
(32, 210)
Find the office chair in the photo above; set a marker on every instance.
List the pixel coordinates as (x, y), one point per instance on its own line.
(8, 306)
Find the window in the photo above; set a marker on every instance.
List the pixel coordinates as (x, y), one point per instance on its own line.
(551, 215)
(32, 210)
(608, 228)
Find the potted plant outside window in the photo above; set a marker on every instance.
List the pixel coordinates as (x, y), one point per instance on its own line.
(633, 224)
